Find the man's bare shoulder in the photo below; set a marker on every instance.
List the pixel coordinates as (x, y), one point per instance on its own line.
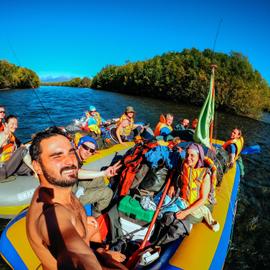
(56, 212)
(44, 211)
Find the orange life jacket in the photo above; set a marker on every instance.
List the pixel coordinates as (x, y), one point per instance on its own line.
(132, 163)
(161, 124)
(7, 150)
(2, 127)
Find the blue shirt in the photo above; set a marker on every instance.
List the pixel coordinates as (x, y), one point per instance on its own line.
(231, 148)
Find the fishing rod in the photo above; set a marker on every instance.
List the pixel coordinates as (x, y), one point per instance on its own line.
(30, 82)
(134, 258)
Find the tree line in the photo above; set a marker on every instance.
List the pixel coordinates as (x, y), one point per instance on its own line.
(185, 77)
(15, 77)
(75, 82)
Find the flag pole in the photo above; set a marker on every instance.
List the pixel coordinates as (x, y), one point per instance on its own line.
(211, 128)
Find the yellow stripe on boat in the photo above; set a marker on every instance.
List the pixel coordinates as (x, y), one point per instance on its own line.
(12, 210)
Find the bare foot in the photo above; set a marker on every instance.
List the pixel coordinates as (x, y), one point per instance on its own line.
(215, 226)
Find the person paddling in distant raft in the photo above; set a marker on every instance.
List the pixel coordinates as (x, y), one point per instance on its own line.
(194, 124)
(2, 117)
(164, 126)
(93, 121)
(125, 126)
(94, 190)
(234, 146)
(183, 125)
(56, 224)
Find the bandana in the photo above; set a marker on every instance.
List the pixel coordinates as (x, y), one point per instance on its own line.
(198, 148)
(87, 139)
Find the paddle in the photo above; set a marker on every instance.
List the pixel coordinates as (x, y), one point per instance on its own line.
(134, 258)
(253, 149)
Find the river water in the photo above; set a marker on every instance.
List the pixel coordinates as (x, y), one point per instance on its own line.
(46, 106)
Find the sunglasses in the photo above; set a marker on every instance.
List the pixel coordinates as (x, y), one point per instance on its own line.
(2, 112)
(89, 149)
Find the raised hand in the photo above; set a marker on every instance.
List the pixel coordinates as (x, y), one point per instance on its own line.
(112, 170)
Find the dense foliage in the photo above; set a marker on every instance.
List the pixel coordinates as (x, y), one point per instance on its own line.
(12, 76)
(185, 77)
(75, 82)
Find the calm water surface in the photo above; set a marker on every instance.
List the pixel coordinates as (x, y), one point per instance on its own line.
(251, 239)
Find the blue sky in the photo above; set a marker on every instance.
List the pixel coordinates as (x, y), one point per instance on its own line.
(79, 38)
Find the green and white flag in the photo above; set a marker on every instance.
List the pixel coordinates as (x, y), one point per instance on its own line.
(202, 131)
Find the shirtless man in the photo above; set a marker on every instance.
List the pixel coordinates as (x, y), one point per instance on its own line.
(57, 227)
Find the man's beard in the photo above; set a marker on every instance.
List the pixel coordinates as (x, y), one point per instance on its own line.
(60, 183)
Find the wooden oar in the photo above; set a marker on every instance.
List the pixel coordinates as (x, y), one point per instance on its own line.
(134, 258)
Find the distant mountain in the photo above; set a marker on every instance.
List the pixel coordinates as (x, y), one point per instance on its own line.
(55, 79)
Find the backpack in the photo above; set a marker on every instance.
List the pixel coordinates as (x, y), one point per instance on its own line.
(133, 161)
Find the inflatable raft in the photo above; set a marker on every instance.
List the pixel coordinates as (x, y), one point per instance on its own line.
(210, 248)
(17, 191)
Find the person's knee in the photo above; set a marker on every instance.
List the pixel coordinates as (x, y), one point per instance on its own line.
(3, 173)
(109, 193)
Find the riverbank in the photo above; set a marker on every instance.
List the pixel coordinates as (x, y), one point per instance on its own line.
(185, 76)
(13, 76)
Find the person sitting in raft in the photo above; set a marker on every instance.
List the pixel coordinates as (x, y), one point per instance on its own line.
(93, 191)
(234, 146)
(2, 117)
(183, 125)
(13, 158)
(57, 227)
(194, 124)
(93, 121)
(189, 132)
(164, 126)
(197, 188)
(125, 126)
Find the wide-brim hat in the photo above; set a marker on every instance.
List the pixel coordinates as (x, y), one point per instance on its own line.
(129, 109)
